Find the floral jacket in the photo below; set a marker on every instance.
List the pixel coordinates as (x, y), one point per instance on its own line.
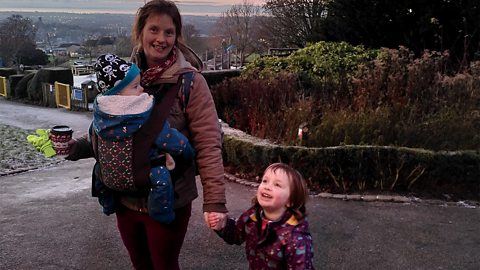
(285, 244)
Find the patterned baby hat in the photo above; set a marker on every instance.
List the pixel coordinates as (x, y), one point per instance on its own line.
(114, 73)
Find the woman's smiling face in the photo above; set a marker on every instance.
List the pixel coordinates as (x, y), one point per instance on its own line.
(158, 38)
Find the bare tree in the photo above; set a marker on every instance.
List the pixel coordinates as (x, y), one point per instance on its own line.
(296, 22)
(236, 25)
(16, 32)
(193, 39)
(123, 46)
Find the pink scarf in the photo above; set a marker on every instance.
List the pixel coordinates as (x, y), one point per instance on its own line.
(151, 75)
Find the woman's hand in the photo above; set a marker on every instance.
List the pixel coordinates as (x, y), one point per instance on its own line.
(215, 221)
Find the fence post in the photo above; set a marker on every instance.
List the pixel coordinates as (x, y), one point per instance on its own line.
(3, 86)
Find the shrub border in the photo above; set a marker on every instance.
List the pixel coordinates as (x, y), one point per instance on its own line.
(362, 168)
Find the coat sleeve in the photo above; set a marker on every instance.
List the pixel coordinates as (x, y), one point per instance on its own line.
(205, 137)
(234, 231)
(299, 251)
(170, 140)
(80, 149)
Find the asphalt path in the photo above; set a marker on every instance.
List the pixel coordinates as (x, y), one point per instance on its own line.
(48, 220)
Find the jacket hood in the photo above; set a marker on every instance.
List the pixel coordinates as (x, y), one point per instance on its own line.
(117, 117)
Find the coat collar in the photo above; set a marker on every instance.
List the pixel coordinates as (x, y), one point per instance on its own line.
(287, 218)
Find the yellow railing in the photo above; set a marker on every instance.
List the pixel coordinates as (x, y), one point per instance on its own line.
(3, 86)
(62, 95)
(82, 70)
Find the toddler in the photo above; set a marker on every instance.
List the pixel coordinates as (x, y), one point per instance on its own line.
(275, 228)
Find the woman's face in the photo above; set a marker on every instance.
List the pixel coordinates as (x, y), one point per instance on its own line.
(158, 38)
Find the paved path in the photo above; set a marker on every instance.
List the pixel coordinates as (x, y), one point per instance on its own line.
(48, 220)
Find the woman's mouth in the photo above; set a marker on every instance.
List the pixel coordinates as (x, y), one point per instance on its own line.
(159, 47)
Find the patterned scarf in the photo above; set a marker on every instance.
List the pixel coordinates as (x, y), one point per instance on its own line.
(151, 75)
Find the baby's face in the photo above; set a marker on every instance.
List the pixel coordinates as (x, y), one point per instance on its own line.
(133, 88)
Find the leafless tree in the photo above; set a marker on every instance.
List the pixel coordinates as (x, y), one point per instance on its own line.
(296, 22)
(16, 32)
(237, 26)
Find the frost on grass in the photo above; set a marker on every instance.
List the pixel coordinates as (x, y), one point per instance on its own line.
(17, 154)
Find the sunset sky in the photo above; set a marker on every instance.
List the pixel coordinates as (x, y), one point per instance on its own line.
(191, 7)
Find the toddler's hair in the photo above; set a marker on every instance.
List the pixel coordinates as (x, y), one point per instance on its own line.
(298, 188)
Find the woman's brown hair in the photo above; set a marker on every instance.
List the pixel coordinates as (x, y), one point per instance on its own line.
(168, 8)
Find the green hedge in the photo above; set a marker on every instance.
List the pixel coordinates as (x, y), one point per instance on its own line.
(7, 72)
(20, 89)
(365, 168)
(48, 75)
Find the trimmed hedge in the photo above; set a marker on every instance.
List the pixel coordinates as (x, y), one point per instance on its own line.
(22, 86)
(14, 80)
(364, 168)
(48, 75)
(7, 72)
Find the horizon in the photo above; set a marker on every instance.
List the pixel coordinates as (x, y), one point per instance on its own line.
(191, 7)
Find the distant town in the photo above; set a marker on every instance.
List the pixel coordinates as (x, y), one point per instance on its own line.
(55, 29)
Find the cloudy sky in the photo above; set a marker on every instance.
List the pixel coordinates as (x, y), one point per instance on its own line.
(192, 7)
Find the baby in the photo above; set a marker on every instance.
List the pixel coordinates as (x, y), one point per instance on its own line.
(119, 111)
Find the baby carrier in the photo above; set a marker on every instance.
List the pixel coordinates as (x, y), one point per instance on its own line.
(123, 165)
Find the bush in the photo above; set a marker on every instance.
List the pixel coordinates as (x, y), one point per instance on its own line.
(366, 122)
(14, 80)
(268, 107)
(347, 169)
(7, 72)
(22, 86)
(341, 97)
(48, 75)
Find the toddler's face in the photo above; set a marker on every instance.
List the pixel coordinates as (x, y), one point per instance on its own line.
(133, 88)
(273, 194)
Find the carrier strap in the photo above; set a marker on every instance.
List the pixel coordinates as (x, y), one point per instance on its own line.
(143, 139)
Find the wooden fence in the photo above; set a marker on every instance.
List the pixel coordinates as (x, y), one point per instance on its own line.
(65, 96)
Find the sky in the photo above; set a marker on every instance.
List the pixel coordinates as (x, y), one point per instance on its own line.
(188, 7)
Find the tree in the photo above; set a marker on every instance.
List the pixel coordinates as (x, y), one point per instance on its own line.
(237, 25)
(123, 46)
(29, 55)
(16, 32)
(296, 22)
(90, 47)
(193, 40)
(417, 24)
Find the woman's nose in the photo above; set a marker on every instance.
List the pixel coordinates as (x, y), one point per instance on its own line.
(161, 37)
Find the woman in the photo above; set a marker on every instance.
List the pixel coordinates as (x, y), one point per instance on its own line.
(163, 57)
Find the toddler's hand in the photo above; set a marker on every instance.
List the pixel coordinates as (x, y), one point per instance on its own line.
(215, 221)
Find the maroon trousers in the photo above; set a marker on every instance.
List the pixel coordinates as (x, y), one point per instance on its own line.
(151, 244)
